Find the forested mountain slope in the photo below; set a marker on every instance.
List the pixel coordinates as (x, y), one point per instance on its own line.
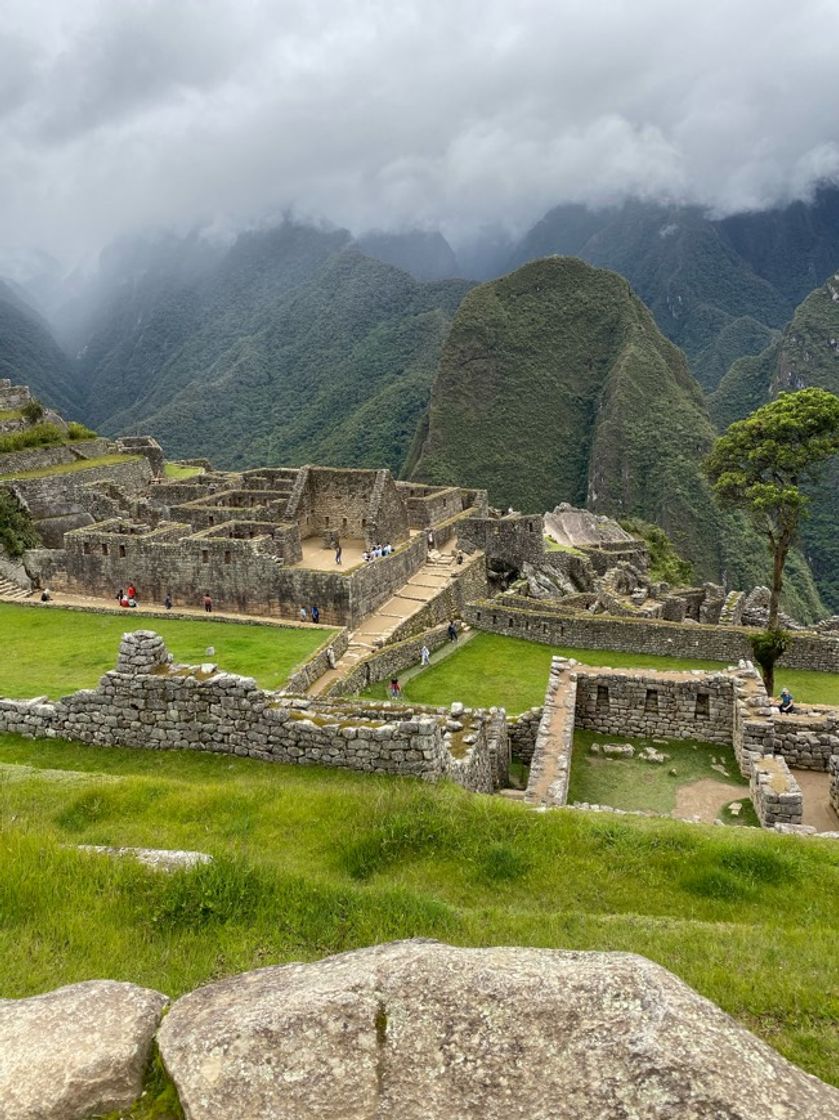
(719, 288)
(556, 385)
(807, 353)
(288, 346)
(29, 354)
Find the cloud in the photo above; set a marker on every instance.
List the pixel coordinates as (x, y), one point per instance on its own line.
(409, 112)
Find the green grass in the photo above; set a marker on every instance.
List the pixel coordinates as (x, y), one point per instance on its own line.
(512, 672)
(11, 414)
(53, 651)
(312, 862)
(630, 783)
(177, 473)
(554, 546)
(71, 468)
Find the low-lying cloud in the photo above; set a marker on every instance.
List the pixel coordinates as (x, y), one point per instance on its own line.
(452, 114)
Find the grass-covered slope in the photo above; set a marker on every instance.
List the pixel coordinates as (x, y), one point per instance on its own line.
(806, 354)
(311, 862)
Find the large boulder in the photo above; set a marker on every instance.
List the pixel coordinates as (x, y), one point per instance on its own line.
(422, 1031)
(76, 1052)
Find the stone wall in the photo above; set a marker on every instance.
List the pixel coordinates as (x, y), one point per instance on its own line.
(629, 635)
(550, 766)
(522, 732)
(834, 783)
(656, 705)
(428, 505)
(323, 659)
(390, 661)
(509, 541)
(775, 793)
(360, 504)
(807, 739)
(148, 702)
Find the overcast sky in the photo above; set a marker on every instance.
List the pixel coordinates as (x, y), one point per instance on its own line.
(119, 114)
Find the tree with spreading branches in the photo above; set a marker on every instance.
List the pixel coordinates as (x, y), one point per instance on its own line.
(759, 465)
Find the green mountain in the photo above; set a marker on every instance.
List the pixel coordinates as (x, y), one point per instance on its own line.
(807, 353)
(555, 384)
(29, 355)
(290, 346)
(718, 288)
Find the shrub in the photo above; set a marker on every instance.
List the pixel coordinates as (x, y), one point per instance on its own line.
(32, 411)
(17, 532)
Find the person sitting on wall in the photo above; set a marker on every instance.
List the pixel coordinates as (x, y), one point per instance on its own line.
(120, 595)
(125, 601)
(786, 701)
(365, 556)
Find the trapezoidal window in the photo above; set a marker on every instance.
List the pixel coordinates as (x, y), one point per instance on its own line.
(205, 556)
(86, 548)
(703, 706)
(104, 550)
(651, 700)
(122, 551)
(227, 557)
(602, 703)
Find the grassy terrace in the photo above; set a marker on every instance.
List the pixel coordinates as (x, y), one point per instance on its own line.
(311, 862)
(71, 468)
(176, 472)
(53, 651)
(493, 669)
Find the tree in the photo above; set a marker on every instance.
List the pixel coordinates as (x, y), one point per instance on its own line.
(759, 464)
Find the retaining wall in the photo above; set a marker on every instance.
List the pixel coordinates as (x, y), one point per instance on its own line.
(729, 644)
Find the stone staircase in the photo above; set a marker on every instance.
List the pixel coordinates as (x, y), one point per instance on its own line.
(12, 591)
(375, 631)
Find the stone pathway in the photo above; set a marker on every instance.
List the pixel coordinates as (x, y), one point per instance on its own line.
(375, 631)
(548, 782)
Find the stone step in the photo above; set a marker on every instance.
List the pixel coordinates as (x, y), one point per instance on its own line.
(9, 590)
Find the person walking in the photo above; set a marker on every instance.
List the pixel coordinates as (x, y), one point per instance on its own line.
(315, 614)
(452, 632)
(425, 656)
(167, 602)
(338, 553)
(304, 617)
(395, 689)
(208, 603)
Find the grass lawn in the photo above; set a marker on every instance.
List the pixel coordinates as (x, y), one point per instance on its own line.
(311, 862)
(53, 651)
(177, 473)
(513, 673)
(630, 783)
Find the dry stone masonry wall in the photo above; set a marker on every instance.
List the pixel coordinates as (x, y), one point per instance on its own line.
(149, 702)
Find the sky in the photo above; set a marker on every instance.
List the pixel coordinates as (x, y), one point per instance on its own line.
(119, 115)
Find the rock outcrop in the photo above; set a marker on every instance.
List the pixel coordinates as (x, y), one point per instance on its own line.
(76, 1052)
(423, 1031)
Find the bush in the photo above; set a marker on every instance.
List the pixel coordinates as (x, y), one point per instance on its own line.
(665, 562)
(32, 411)
(17, 533)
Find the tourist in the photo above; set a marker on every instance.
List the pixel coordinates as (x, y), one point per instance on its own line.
(365, 556)
(120, 595)
(394, 689)
(125, 601)
(459, 559)
(303, 614)
(452, 632)
(786, 701)
(167, 602)
(208, 603)
(315, 614)
(425, 655)
(132, 591)
(338, 552)
(45, 596)
(430, 538)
